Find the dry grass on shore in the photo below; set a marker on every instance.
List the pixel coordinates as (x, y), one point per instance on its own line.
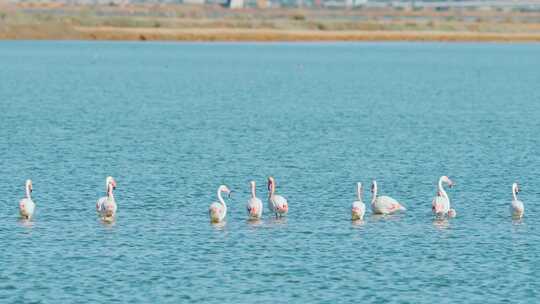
(187, 23)
(107, 33)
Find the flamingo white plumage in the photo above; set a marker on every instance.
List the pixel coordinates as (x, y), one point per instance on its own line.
(383, 204)
(358, 207)
(254, 204)
(517, 209)
(26, 205)
(276, 203)
(218, 210)
(106, 206)
(440, 204)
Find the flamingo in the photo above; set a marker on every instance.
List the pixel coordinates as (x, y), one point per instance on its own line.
(26, 205)
(254, 204)
(358, 207)
(441, 203)
(516, 208)
(276, 203)
(218, 210)
(106, 206)
(384, 204)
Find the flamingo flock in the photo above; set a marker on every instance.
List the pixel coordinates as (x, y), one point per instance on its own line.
(278, 205)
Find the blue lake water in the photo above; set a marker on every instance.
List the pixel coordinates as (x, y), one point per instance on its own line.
(171, 122)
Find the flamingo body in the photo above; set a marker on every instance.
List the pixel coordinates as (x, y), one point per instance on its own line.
(278, 204)
(255, 207)
(386, 205)
(517, 208)
(217, 212)
(26, 208)
(440, 205)
(106, 207)
(358, 208)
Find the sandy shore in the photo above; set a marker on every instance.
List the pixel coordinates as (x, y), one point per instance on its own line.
(110, 33)
(224, 34)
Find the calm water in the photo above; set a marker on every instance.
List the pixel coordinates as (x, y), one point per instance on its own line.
(171, 122)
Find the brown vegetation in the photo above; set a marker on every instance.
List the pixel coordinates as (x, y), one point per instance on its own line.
(214, 23)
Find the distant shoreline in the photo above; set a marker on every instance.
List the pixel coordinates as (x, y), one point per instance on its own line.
(35, 21)
(262, 35)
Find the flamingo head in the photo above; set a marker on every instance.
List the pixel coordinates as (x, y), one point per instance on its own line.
(29, 185)
(448, 181)
(515, 187)
(226, 190)
(111, 182)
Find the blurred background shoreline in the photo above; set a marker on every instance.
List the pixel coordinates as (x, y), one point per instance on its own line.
(264, 20)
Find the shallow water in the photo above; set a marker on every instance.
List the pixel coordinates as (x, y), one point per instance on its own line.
(171, 122)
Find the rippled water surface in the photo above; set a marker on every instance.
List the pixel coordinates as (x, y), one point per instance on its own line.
(171, 122)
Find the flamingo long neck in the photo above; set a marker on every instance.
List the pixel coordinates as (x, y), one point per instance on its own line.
(514, 194)
(441, 189)
(28, 192)
(359, 191)
(110, 191)
(272, 189)
(374, 198)
(253, 190)
(220, 198)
